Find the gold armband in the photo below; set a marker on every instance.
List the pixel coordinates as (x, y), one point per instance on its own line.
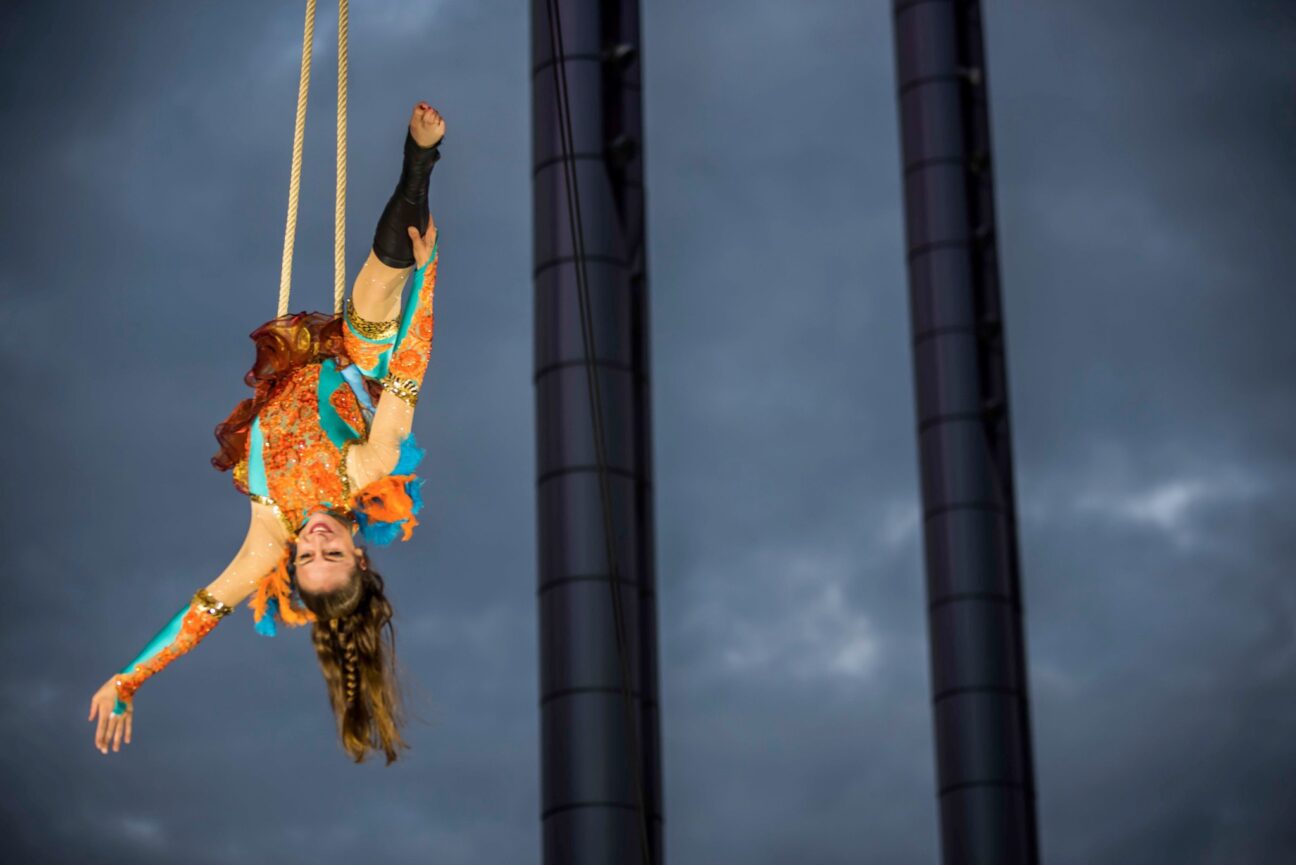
(208, 603)
(375, 330)
(405, 388)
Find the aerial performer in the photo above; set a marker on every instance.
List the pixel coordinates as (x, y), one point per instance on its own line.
(325, 452)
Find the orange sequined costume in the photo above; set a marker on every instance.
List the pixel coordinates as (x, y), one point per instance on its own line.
(316, 379)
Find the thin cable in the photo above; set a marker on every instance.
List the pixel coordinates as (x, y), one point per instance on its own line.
(339, 204)
(294, 183)
(587, 338)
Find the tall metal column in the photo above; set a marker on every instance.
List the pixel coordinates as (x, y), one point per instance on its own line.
(984, 763)
(601, 801)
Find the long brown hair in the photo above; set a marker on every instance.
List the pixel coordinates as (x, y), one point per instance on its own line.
(359, 665)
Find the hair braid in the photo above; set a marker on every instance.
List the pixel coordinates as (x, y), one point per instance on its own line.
(358, 664)
(346, 639)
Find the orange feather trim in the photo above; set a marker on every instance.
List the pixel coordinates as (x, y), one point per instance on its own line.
(277, 584)
(386, 500)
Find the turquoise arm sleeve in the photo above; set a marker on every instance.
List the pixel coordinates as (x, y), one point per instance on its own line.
(153, 648)
(186, 629)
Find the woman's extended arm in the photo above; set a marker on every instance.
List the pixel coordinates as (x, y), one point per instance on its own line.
(394, 415)
(262, 547)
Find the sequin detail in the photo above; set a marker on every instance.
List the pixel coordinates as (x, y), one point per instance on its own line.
(301, 462)
(410, 356)
(344, 402)
(343, 475)
(366, 355)
(375, 330)
(208, 603)
(405, 388)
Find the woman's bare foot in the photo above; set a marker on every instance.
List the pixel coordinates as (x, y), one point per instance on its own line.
(426, 125)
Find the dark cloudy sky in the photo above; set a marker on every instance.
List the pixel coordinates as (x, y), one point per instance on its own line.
(1146, 169)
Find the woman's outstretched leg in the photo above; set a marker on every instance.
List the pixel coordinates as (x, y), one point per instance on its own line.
(376, 293)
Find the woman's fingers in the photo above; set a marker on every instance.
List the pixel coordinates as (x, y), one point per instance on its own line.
(130, 722)
(421, 243)
(101, 734)
(118, 733)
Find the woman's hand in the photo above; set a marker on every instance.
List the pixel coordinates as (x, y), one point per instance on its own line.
(111, 727)
(426, 125)
(423, 243)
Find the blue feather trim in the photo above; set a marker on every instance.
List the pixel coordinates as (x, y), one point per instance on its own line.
(412, 489)
(266, 625)
(381, 534)
(410, 456)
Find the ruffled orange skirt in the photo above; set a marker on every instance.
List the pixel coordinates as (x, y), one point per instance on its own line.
(282, 345)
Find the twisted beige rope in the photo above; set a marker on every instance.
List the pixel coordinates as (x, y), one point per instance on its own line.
(339, 205)
(294, 183)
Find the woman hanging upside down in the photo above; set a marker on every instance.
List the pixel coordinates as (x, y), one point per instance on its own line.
(325, 452)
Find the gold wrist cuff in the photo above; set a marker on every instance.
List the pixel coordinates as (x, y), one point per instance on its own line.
(375, 330)
(405, 388)
(208, 604)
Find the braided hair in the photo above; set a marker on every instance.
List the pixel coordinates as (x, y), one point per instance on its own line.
(358, 664)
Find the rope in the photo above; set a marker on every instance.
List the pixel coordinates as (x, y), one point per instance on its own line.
(294, 184)
(299, 134)
(339, 205)
(596, 410)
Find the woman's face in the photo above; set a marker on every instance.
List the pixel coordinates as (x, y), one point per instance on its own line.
(326, 555)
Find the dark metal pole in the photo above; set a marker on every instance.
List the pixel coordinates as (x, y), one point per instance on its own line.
(984, 764)
(601, 801)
